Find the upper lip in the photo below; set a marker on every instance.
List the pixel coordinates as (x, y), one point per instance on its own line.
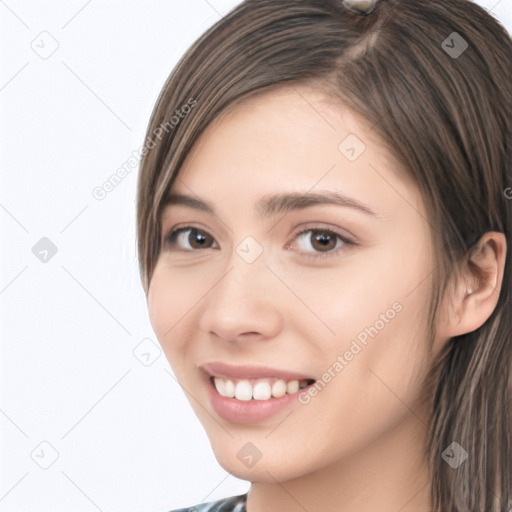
(218, 369)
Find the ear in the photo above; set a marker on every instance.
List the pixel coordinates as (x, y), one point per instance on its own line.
(475, 289)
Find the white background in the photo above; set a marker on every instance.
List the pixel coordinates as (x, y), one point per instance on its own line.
(125, 435)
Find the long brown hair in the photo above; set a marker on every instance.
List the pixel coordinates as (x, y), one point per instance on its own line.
(433, 78)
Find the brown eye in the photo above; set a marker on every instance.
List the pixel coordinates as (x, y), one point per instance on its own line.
(321, 243)
(323, 240)
(198, 239)
(189, 239)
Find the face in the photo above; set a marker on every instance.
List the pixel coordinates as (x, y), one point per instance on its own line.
(332, 288)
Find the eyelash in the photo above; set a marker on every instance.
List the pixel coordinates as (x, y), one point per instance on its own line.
(170, 240)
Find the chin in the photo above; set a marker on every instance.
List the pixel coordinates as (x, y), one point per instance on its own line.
(269, 470)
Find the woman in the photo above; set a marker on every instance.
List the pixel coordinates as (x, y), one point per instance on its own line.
(323, 223)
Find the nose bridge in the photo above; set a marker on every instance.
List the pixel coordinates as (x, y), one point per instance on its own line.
(247, 273)
(240, 301)
(249, 250)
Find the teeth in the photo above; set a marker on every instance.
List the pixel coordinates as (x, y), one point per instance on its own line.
(243, 390)
(292, 386)
(261, 390)
(279, 388)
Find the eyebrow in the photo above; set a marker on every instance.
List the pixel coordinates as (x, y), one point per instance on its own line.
(271, 205)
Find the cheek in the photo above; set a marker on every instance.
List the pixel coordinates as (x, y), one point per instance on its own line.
(371, 308)
(353, 295)
(171, 297)
(380, 323)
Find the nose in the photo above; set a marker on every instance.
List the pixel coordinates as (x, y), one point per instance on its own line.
(244, 303)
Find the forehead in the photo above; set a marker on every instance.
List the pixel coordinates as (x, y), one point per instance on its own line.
(291, 111)
(290, 123)
(293, 139)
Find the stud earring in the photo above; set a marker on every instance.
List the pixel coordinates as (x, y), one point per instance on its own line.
(360, 7)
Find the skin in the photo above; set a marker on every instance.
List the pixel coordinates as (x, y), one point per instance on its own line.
(358, 446)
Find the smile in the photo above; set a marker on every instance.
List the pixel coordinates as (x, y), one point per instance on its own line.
(257, 389)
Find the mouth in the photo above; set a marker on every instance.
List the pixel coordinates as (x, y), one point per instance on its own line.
(257, 389)
(254, 382)
(250, 394)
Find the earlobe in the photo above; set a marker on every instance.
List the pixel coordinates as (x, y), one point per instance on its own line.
(475, 294)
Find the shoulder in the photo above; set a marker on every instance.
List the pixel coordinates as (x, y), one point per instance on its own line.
(230, 504)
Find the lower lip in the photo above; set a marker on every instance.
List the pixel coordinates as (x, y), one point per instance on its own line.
(249, 411)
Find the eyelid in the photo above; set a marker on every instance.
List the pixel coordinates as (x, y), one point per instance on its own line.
(177, 229)
(319, 226)
(347, 242)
